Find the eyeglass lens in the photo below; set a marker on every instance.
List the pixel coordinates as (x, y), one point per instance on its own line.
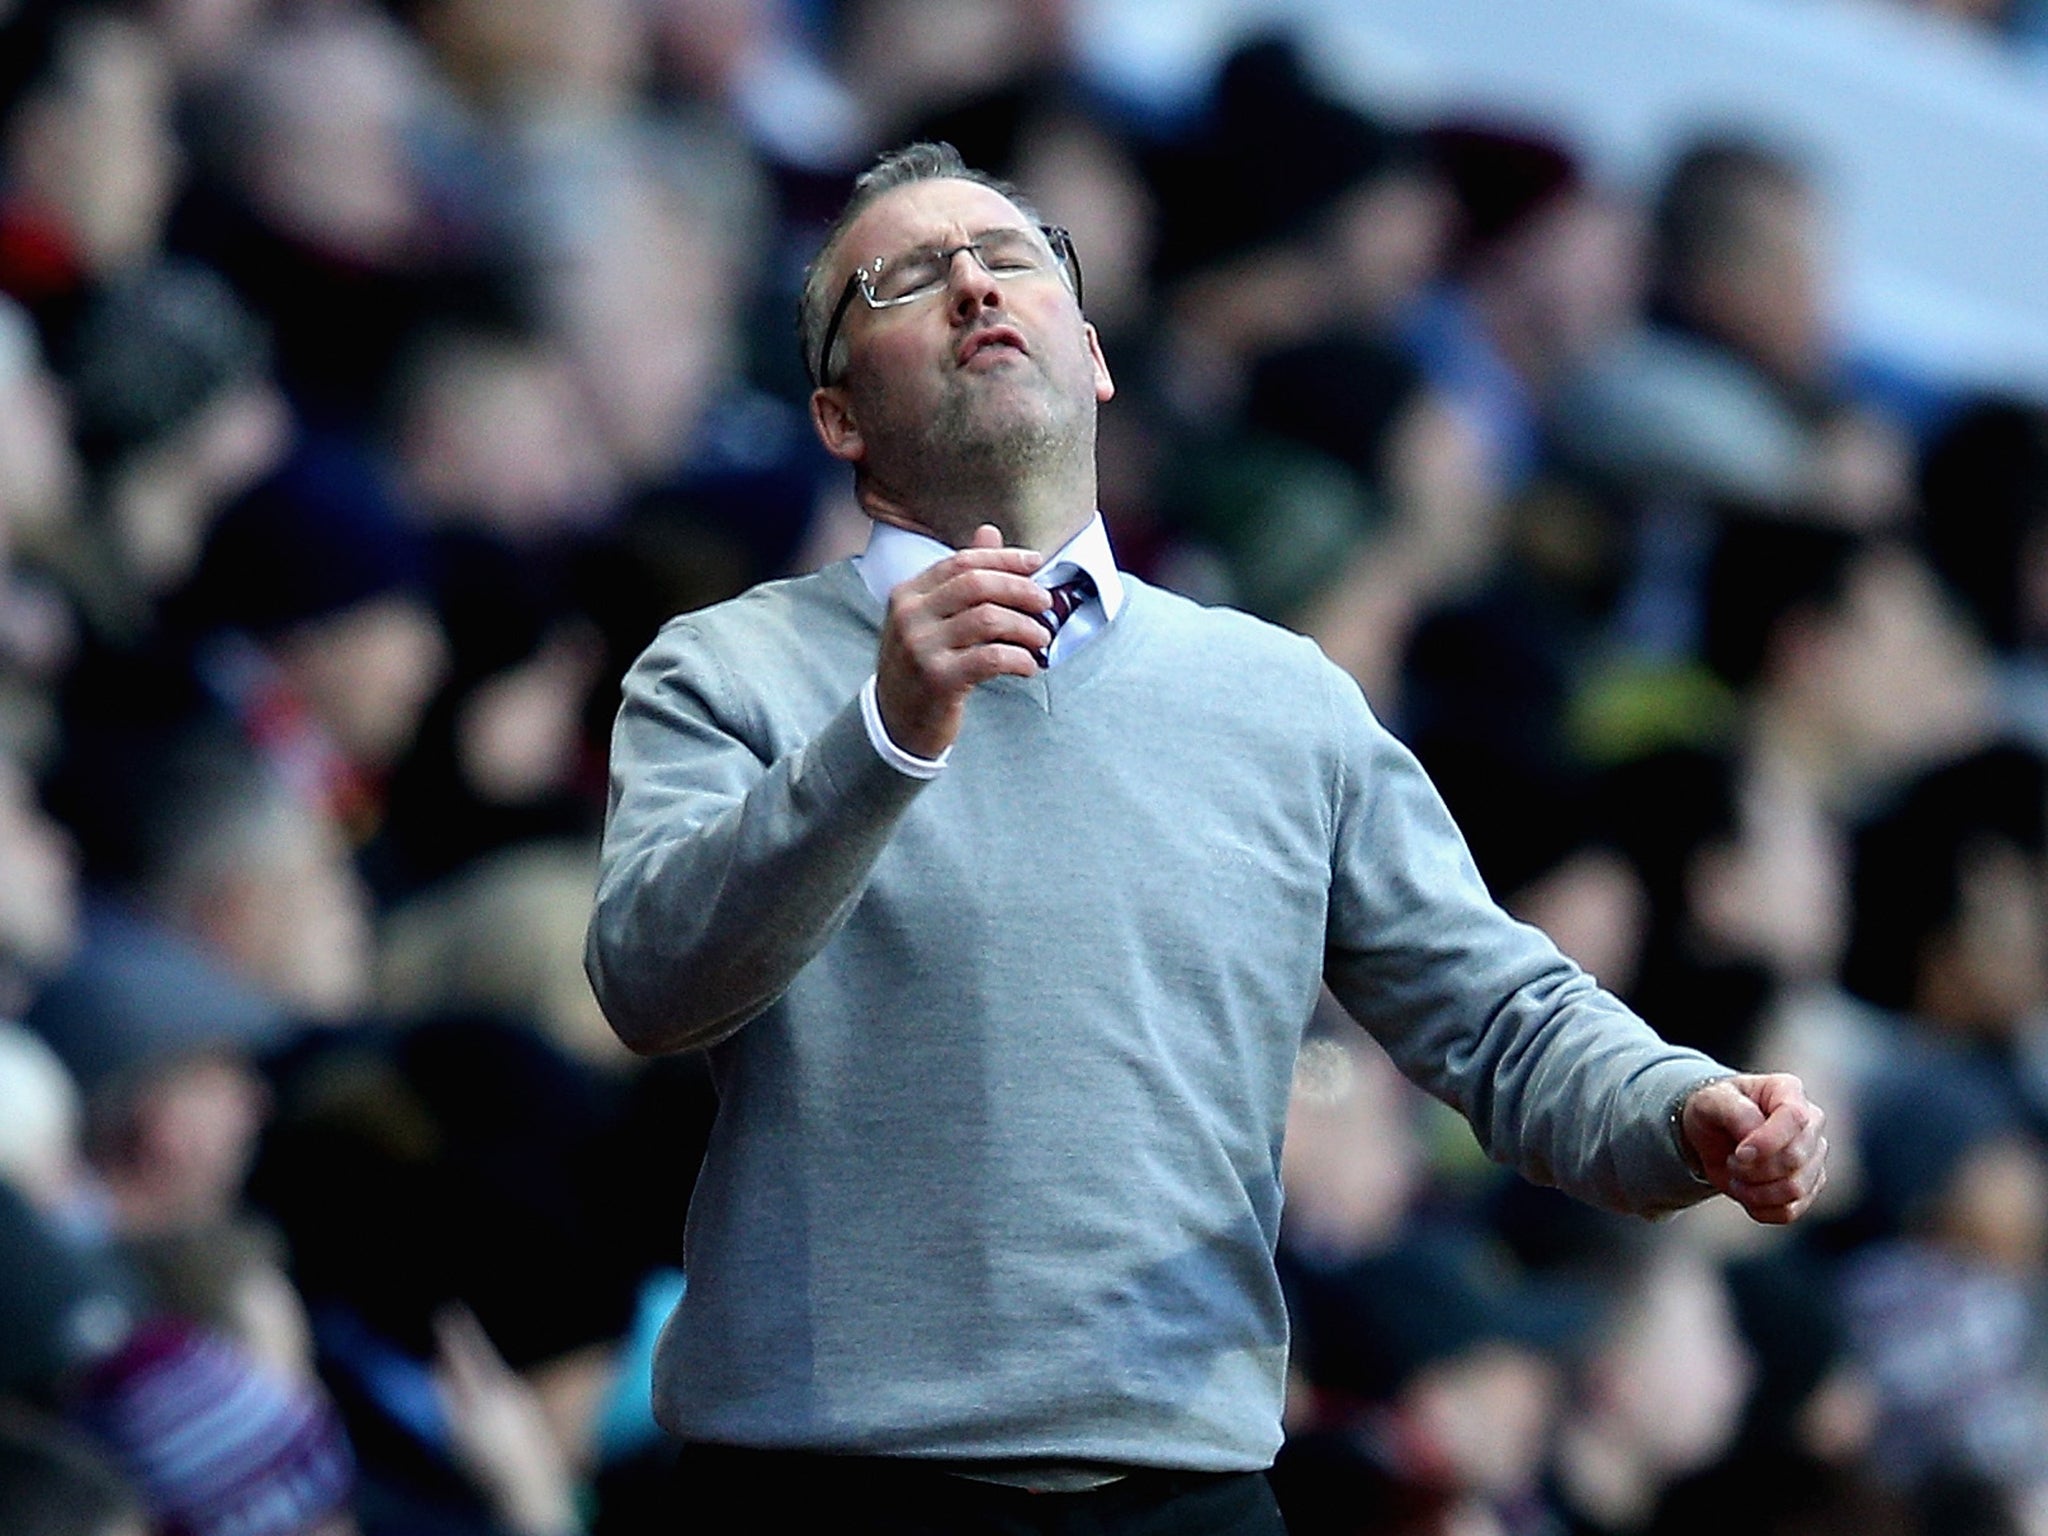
(1000, 253)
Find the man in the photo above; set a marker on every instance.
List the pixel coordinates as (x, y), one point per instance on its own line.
(1003, 940)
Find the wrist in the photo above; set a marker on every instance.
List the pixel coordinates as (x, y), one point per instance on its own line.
(890, 750)
(1675, 1123)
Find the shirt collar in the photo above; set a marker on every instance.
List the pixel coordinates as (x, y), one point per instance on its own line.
(894, 555)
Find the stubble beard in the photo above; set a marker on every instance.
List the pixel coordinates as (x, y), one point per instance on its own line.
(975, 455)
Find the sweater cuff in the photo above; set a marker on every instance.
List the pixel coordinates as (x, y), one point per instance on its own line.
(1663, 1176)
(878, 734)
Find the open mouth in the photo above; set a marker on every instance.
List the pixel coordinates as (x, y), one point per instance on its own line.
(994, 338)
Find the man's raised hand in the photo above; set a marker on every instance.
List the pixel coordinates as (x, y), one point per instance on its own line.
(972, 616)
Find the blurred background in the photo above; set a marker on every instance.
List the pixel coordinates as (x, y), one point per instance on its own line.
(1646, 400)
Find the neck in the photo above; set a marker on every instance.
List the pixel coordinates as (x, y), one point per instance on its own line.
(1039, 512)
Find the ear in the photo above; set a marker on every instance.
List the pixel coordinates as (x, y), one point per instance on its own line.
(1105, 386)
(832, 416)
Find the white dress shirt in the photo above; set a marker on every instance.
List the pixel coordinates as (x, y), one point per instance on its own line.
(894, 555)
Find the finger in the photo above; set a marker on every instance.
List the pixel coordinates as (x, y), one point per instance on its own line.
(946, 588)
(1802, 1178)
(987, 661)
(940, 596)
(1774, 1192)
(937, 652)
(963, 669)
(996, 557)
(973, 587)
(1788, 1131)
(987, 536)
(1722, 1112)
(1773, 1091)
(987, 624)
(1782, 1201)
(977, 558)
(1774, 1215)
(940, 653)
(1807, 1147)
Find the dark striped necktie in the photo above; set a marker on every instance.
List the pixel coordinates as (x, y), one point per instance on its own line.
(1062, 601)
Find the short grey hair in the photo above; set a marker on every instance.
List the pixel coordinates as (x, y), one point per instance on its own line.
(923, 161)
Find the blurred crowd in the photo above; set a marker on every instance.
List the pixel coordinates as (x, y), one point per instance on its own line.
(2021, 25)
(376, 378)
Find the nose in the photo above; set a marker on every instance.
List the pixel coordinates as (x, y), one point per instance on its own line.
(973, 288)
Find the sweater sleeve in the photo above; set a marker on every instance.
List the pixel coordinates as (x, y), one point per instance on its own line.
(725, 867)
(1557, 1076)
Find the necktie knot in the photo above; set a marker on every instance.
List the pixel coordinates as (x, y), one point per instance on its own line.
(1061, 603)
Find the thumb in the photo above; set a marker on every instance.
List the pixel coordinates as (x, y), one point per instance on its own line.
(1719, 1116)
(987, 536)
(1738, 1113)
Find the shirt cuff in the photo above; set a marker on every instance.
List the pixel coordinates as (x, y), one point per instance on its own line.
(878, 734)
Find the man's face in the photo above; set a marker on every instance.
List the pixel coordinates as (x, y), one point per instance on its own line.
(985, 374)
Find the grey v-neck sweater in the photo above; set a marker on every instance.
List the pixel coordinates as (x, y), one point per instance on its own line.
(997, 1175)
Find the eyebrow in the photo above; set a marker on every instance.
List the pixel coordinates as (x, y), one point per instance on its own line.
(939, 243)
